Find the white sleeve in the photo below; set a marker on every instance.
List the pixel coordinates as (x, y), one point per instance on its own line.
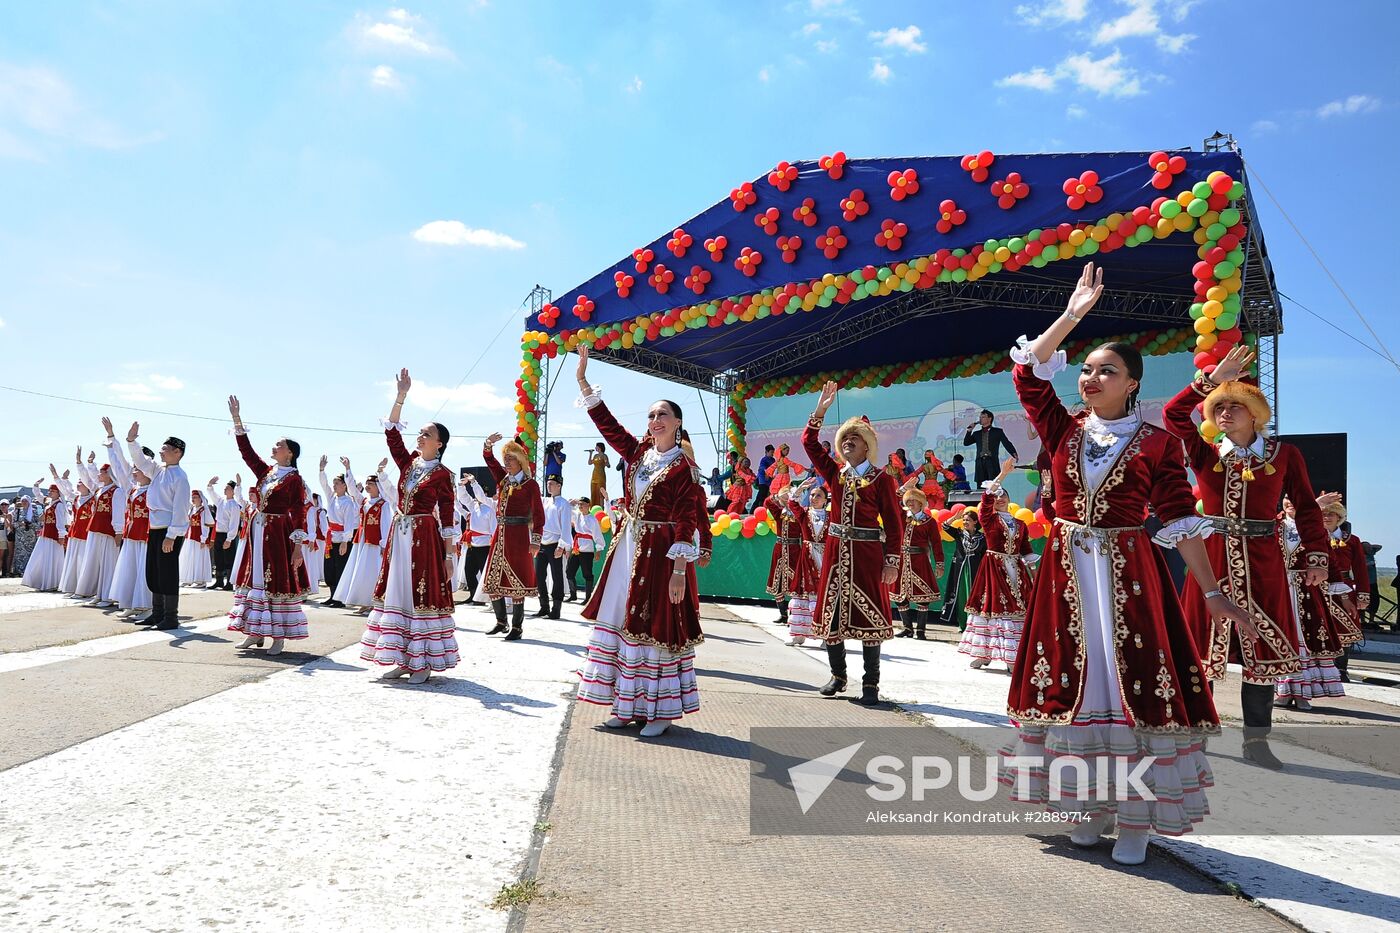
(121, 473)
(1021, 353)
(179, 518)
(567, 538)
(118, 511)
(139, 460)
(1192, 526)
(60, 517)
(389, 492)
(325, 487)
(356, 492)
(88, 474)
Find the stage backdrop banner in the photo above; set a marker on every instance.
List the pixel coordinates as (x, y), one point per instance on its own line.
(936, 415)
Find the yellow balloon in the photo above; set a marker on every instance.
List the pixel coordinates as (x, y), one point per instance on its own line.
(1216, 293)
(1185, 198)
(1212, 309)
(1206, 341)
(1209, 429)
(1183, 222)
(1002, 254)
(1077, 237)
(1204, 325)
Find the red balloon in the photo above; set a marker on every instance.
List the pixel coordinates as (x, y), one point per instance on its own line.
(1222, 184)
(1202, 359)
(760, 514)
(944, 514)
(1233, 335)
(959, 508)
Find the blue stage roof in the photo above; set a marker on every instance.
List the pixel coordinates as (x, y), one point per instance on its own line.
(1149, 285)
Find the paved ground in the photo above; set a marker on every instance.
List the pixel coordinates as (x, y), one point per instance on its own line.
(653, 835)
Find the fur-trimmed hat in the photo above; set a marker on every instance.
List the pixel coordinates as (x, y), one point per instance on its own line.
(1246, 394)
(861, 425)
(917, 494)
(1337, 509)
(513, 448)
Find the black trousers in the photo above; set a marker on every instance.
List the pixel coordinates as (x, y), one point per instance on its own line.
(163, 577)
(335, 564)
(582, 561)
(760, 496)
(223, 558)
(545, 559)
(985, 469)
(475, 564)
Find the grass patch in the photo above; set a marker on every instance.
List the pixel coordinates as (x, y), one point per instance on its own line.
(517, 894)
(543, 826)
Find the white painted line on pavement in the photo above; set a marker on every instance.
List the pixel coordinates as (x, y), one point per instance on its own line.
(106, 644)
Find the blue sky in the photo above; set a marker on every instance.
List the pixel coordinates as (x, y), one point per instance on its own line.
(204, 198)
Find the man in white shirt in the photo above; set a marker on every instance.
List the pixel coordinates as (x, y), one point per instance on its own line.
(343, 514)
(482, 527)
(228, 518)
(588, 538)
(556, 541)
(167, 499)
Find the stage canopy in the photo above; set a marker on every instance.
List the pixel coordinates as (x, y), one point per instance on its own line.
(877, 271)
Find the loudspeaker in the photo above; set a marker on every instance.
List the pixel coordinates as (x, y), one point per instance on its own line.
(1326, 457)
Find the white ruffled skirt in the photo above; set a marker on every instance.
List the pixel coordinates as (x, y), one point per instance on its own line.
(258, 612)
(399, 634)
(99, 566)
(638, 681)
(356, 586)
(72, 565)
(315, 566)
(196, 569)
(129, 578)
(991, 639)
(44, 572)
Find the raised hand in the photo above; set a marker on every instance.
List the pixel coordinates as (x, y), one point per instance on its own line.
(1235, 363)
(213, 480)
(107, 426)
(826, 399)
(1086, 293)
(133, 432)
(345, 462)
(582, 372)
(78, 457)
(402, 382)
(1328, 498)
(383, 464)
(493, 440)
(234, 409)
(324, 461)
(1007, 466)
(92, 456)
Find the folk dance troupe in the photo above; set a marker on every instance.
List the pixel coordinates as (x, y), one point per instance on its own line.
(1105, 655)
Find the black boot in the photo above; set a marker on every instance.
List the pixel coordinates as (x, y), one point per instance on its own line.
(157, 611)
(1341, 662)
(170, 617)
(517, 622)
(541, 613)
(906, 615)
(782, 612)
(836, 657)
(499, 605)
(1257, 703)
(921, 624)
(870, 683)
(554, 610)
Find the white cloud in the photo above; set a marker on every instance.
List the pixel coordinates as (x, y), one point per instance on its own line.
(474, 398)
(1053, 12)
(131, 392)
(811, 28)
(384, 76)
(399, 31)
(881, 72)
(831, 9)
(41, 105)
(906, 39)
(1076, 112)
(1356, 103)
(1143, 21)
(1037, 79)
(764, 74)
(2, 322)
(166, 382)
(1107, 76)
(456, 233)
(1261, 127)
(634, 86)
(826, 46)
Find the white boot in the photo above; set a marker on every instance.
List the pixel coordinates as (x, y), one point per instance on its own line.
(1086, 834)
(252, 641)
(654, 728)
(394, 672)
(978, 663)
(1131, 847)
(616, 722)
(797, 641)
(276, 647)
(1302, 705)
(419, 677)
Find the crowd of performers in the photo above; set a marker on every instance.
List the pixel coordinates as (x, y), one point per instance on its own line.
(1105, 655)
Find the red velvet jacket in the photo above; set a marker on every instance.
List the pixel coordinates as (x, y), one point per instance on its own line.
(510, 568)
(283, 508)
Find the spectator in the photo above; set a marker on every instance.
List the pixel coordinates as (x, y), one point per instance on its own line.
(7, 531)
(1369, 613)
(959, 475)
(716, 483)
(554, 458)
(764, 480)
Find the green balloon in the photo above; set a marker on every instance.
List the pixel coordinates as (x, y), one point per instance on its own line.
(1236, 191)
(1091, 247)
(762, 529)
(829, 291)
(1170, 209)
(1232, 303)
(1226, 320)
(1223, 270)
(732, 531)
(1033, 476)
(882, 273)
(1230, 216)
(668, 331)
(1016, 245)
(995, 267)
(1236, 256)
(1196, 311)
(1216, 230)
(1201, 189)
(1197, 208)
(1037, 261)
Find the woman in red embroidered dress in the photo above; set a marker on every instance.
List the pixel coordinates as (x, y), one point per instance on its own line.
(1350, 558)
(641, 655)
(787, 542)
(807, 571)
(377, 504)
(44, 571)
(740, 486)
(270, 582)
(1324, 629)
(861, 559)
(1107, 665)
(997, 600)
(1242, 479)
(916, 587)
(782, 471)
(510, 565)
(410, 629)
